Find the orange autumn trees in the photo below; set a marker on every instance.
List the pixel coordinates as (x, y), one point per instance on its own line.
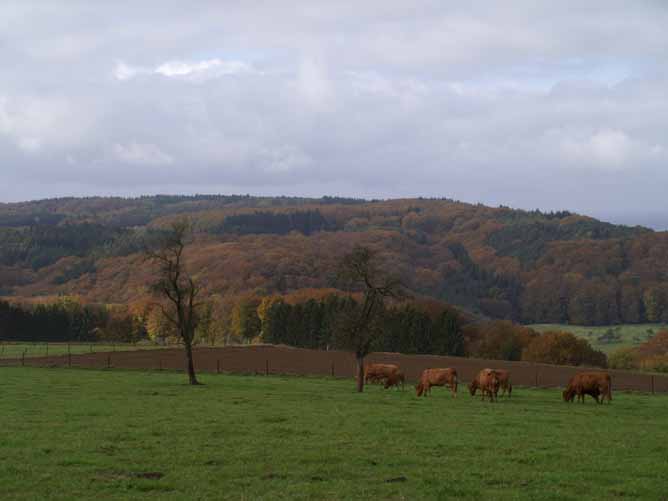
(526, 266)
(652, 355)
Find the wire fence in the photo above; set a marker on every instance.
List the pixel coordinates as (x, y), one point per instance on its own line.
(18, 349)
(281, 360)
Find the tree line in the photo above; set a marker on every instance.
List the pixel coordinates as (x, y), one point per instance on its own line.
(67, 320)
(530, 267)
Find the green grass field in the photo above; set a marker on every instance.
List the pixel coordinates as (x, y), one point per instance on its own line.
(607, 338)
(15, 350)
(84, 434)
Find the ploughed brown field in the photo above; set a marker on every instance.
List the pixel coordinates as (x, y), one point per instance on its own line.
(269, 359)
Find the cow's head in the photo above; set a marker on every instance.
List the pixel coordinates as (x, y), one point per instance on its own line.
(568, 394)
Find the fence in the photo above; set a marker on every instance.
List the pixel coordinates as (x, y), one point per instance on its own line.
(18, 349)
(268, 359)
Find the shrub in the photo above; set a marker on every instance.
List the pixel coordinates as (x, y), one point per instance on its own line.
(624, 358)
(563, 348)
(499, 340)
(656, 363)
(657, 345)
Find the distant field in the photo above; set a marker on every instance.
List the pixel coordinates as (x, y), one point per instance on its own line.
(87, 434)
(608, 338)
(15, 350)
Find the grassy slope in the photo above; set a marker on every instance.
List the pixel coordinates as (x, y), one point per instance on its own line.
(15, 350)
(77, 434)
(630, 334)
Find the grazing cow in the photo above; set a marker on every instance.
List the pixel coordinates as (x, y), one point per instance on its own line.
(437, 377)
(504, 382)
(378, 373)
(395, 379)
(594, 384)
(488, 383)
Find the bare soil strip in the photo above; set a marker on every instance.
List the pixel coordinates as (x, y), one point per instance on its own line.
(269, 359)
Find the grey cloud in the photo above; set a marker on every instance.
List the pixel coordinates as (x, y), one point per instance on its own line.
(532, 104)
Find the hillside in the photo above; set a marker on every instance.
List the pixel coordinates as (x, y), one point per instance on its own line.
(503, 263)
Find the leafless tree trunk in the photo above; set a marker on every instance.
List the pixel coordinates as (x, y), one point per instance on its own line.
(360, 373)
(177, 288)
(360, 268)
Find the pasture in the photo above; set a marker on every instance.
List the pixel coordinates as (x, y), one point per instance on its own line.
(85, 434)
(607, 338)
(37, 349)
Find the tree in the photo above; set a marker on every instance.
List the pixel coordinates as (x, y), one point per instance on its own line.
(205, 331)
(563, 348)
(623, 358)
(246, 323)
(450, 337)
(360, 324)
(176, 287)
(499, 340)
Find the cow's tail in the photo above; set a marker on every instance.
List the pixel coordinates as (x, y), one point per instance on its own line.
(455, 383)
(510, 389)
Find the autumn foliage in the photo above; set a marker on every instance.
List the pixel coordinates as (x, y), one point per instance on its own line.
(502, 263)
(563, 348)
(652, 355)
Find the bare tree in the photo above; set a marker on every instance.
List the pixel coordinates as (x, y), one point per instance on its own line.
(176, 287)
(360, 326)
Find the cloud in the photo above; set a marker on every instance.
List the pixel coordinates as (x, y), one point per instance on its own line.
(532, 104)
(313, 83)
(197, 70)
(605, 149)
(141, 154)
(35, 123)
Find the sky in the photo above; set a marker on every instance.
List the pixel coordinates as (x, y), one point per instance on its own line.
(530, 104)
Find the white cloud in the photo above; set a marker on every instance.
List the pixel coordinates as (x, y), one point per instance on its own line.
(141, 154)
(196, 71)
(123, 71)
(215, 67)
(608, 149)
(33, 123)
(314, 84)
(604, 148)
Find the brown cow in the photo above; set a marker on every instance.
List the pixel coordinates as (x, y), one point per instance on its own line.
(437, 377)
(504, 382)
(488, 382)
(378, 373)
(594, 384)
(395, 379)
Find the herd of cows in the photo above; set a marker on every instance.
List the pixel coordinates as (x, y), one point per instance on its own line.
(489, 381)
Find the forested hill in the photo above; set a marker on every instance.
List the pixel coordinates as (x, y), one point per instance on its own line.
(504, 263)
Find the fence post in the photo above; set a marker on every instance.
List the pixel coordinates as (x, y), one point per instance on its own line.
(69, 360)
(652, 379)
(23, 358)
(218, 366)
(266, 368)
(69, 351)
